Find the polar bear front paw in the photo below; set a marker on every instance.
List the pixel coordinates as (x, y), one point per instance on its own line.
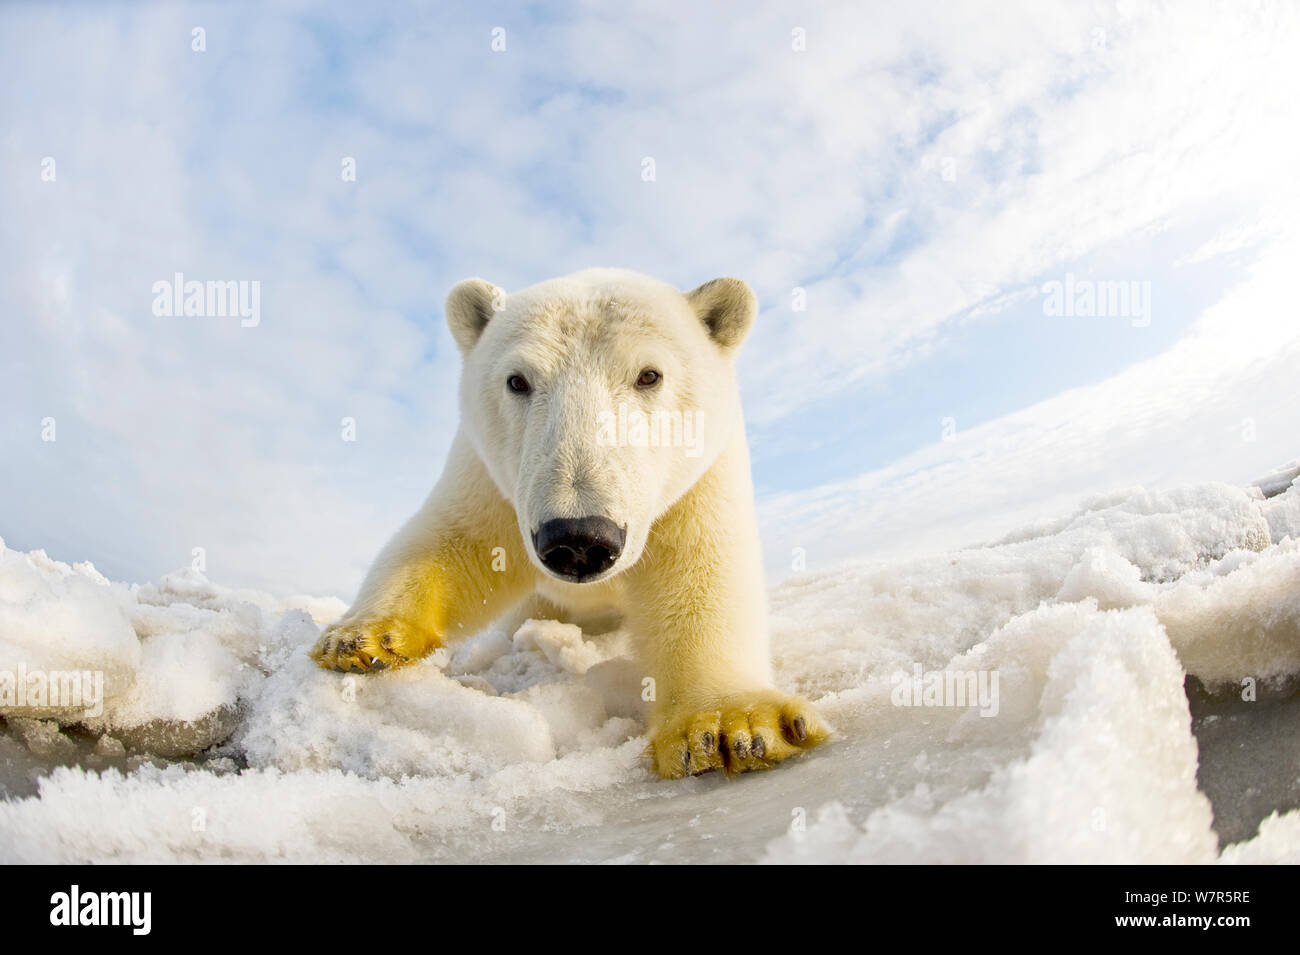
(742, 732)
(371, 643)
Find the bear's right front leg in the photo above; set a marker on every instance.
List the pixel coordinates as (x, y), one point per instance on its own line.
(457, 564)
(697, 602)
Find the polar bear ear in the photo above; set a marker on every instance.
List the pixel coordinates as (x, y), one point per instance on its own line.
(727, 307)
(469, 307)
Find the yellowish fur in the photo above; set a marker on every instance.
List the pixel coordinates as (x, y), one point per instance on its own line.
(458, 564)
(692, 587)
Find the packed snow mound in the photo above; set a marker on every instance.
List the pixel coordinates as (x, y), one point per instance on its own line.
(1019, 701)
(1163, 533)
(176, 658)
(1089, 689)
(1283, 514)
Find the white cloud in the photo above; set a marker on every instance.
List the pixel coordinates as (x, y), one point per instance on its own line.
(815, 169)
(1219, 405)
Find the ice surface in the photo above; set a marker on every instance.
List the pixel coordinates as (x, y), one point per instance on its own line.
(220, 741)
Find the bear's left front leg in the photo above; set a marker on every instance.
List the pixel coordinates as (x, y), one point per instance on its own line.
(697, 600)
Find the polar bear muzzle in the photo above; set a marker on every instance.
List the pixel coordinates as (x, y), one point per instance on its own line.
(579, 549)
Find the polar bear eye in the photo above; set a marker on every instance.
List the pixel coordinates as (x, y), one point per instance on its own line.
(648, 378)
(518, 384)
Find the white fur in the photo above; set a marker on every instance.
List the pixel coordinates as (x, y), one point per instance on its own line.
(582, 341)
(689, 580)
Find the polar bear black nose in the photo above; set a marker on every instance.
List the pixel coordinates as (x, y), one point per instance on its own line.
(579, 548)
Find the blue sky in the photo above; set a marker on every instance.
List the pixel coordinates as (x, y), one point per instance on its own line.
(988, 368)
(920, 172)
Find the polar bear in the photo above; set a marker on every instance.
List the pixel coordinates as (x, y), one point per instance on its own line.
(600, 464)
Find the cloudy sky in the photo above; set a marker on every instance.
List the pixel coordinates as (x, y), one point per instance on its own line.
(922, 172)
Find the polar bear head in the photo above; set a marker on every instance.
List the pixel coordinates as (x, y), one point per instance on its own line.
(596, 401)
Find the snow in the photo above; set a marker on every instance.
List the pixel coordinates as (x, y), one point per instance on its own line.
(219, 740)
(1095, 763)
(1278, 843)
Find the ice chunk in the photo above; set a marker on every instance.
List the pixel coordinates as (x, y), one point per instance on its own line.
(57, 618)
(1279, 479)
(1108, 578)
(412, 721)
(1245, 625)
(1110, 774)
(562, 643)
(1283, 514)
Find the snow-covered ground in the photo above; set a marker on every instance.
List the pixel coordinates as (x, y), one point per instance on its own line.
(220, 741)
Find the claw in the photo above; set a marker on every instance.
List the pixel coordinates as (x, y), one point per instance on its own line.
(800, 729)
(737, 734)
